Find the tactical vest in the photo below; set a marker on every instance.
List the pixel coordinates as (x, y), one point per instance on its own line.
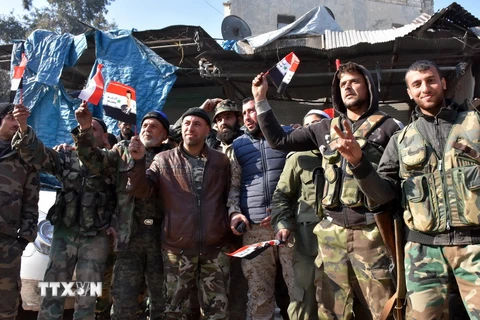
(340, 185)
(439, 193)
(85, 200)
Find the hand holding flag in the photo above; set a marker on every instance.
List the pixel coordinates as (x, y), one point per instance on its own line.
(282, 73)
(251, 251)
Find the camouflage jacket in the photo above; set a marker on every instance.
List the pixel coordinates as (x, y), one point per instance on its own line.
(86, 200)
(390, 181)
(19, 191)
(293, 202)
(128, 209)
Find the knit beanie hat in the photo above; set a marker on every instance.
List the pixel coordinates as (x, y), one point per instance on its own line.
(5, 108)
(160, 116)
(199, 112)
(100, 121)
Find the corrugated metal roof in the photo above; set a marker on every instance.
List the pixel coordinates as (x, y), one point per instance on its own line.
(335, 39)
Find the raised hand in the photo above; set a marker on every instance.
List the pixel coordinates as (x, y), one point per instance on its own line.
(347, 145)
(64, 147)
(210, 104)
(136, 148)
(21, 114)
(260, 87)
(83, 116)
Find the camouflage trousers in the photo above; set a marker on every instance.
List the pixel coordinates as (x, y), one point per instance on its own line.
(10, 284)
(355, 265)
(303, 304)
(104, 302)
(427, 279)
(139, 265)
(260, 273)
(71, 249)
(208, 272)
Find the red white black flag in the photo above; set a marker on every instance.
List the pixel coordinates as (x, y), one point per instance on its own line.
(18, 72)
(253, 250)
(119, 102)
(282, 73)
(94, 90)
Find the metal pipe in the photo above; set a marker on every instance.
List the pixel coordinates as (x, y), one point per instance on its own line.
(175, 45)
(310, 75)
(167, 41)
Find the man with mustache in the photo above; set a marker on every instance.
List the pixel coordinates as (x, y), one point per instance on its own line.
(433, 164)
(81, 215)
(261, 167)
(137, 222)
(350, 245)
(192, 181)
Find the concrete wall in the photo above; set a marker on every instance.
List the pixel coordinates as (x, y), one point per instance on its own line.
(261, 16)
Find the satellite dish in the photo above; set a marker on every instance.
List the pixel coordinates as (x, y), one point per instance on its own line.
(235, 28)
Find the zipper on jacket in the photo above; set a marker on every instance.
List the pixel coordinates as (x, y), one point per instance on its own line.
(199, 213)
(266, 190)
(84, 172)
(445, 199)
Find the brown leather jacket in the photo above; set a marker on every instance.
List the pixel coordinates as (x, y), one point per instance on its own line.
(192, 225)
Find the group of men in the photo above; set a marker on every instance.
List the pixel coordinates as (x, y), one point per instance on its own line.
(171, 213)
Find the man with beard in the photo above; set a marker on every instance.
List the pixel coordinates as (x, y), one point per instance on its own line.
(261, 167)
(350, 245)
(227, 118)
(433, 164)
(188, 180)
(80, 217)
(137, 228)
(126, 132)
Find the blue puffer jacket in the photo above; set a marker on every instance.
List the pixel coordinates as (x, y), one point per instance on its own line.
(261, 169)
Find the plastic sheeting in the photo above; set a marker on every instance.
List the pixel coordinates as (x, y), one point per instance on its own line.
(125, 60)
(315, 21)
(52, 110)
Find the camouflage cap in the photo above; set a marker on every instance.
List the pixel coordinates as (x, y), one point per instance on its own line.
(224, 106)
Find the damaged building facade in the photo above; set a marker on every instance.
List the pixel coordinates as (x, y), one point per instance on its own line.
(267, 15)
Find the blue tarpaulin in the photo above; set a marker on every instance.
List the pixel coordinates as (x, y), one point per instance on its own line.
(125, 60)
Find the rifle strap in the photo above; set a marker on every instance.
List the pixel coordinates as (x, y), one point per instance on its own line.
(396, 301)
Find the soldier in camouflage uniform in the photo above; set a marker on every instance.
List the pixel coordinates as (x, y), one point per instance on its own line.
(137, 223)
(19, 190)
(192, 182)
(433, 163)
(80, 216)
(227, 118)
(351, 249)
(294, 209)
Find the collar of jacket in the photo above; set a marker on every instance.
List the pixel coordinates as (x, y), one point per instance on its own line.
(203, 153)
(448, 113)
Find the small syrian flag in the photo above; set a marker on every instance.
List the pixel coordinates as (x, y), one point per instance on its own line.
(282, 73)
(119, 102)
(251, 251)
(94, 90)
(18, 72)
